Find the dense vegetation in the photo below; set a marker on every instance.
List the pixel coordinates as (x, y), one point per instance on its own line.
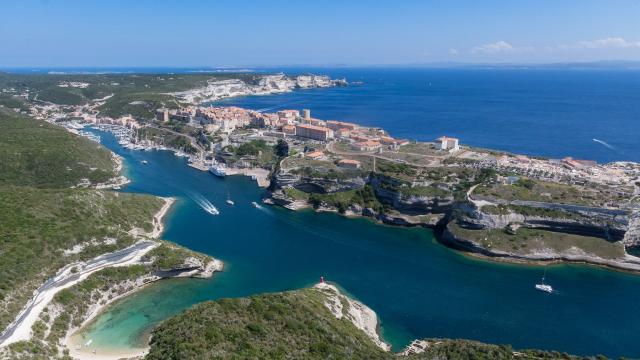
(255, 152)
(40, 217)
(38, 154)
(178, 139)
(293, 325)
(342, 200)
(37, 225)
(286, 325)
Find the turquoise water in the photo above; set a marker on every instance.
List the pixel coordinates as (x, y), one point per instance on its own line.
(418, 287)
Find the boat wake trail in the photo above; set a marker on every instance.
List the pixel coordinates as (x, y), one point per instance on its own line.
(603, 143)
(204, 203)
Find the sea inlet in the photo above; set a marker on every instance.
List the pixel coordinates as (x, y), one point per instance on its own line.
(418, 287)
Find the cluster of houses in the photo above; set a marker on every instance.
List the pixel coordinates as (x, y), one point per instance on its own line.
(286, 122)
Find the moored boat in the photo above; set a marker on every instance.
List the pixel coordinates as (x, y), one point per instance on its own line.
(218, 170)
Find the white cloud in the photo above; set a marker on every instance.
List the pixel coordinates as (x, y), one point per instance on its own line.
(606, 43)
(493, 48)
(453, 51)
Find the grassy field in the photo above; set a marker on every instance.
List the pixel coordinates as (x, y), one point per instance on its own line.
(38, 154)
(527, 241)
(421, 148)
(535, 190)
(294, 325)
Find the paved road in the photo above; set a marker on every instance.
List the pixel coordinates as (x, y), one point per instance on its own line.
(65, 277)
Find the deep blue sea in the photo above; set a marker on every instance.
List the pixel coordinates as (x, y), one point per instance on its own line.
(541, 110)
(552, 113)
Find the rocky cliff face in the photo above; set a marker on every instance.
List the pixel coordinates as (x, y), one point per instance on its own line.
(603, 224)
(268, 84)
(632, 236)
(409, 204)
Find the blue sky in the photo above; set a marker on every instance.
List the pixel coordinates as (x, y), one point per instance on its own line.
(315, 32)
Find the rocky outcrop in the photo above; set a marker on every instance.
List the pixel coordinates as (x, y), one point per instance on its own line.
(192, 267)
(632, 236)
(263, 85)
(361, 316)
(384, 188)
(326, 186)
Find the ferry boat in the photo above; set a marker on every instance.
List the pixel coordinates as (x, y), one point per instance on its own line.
(218, 170)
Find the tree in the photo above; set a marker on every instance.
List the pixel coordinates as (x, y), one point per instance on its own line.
(282, 148)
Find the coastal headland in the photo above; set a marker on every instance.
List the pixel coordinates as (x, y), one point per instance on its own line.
(504, 206)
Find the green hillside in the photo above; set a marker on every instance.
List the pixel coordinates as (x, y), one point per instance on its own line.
(294, 325)
(40, 217)
(35, 153)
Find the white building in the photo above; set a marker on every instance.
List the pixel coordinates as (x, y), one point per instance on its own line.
(447, 144)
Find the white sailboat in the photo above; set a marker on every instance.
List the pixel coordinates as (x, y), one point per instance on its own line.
(542, 286)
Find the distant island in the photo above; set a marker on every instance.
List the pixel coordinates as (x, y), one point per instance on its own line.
(503, 206)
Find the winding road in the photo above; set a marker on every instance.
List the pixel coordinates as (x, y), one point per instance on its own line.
(67, 277)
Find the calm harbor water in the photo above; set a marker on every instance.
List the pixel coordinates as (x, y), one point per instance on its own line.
(418, 287)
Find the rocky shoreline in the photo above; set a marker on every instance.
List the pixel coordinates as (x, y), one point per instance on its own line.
(439, 224)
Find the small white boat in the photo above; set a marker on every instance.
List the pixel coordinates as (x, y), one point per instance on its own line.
(144, 162)
(256, 205)
(212, 210)
(542, 286)
(230, 202)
